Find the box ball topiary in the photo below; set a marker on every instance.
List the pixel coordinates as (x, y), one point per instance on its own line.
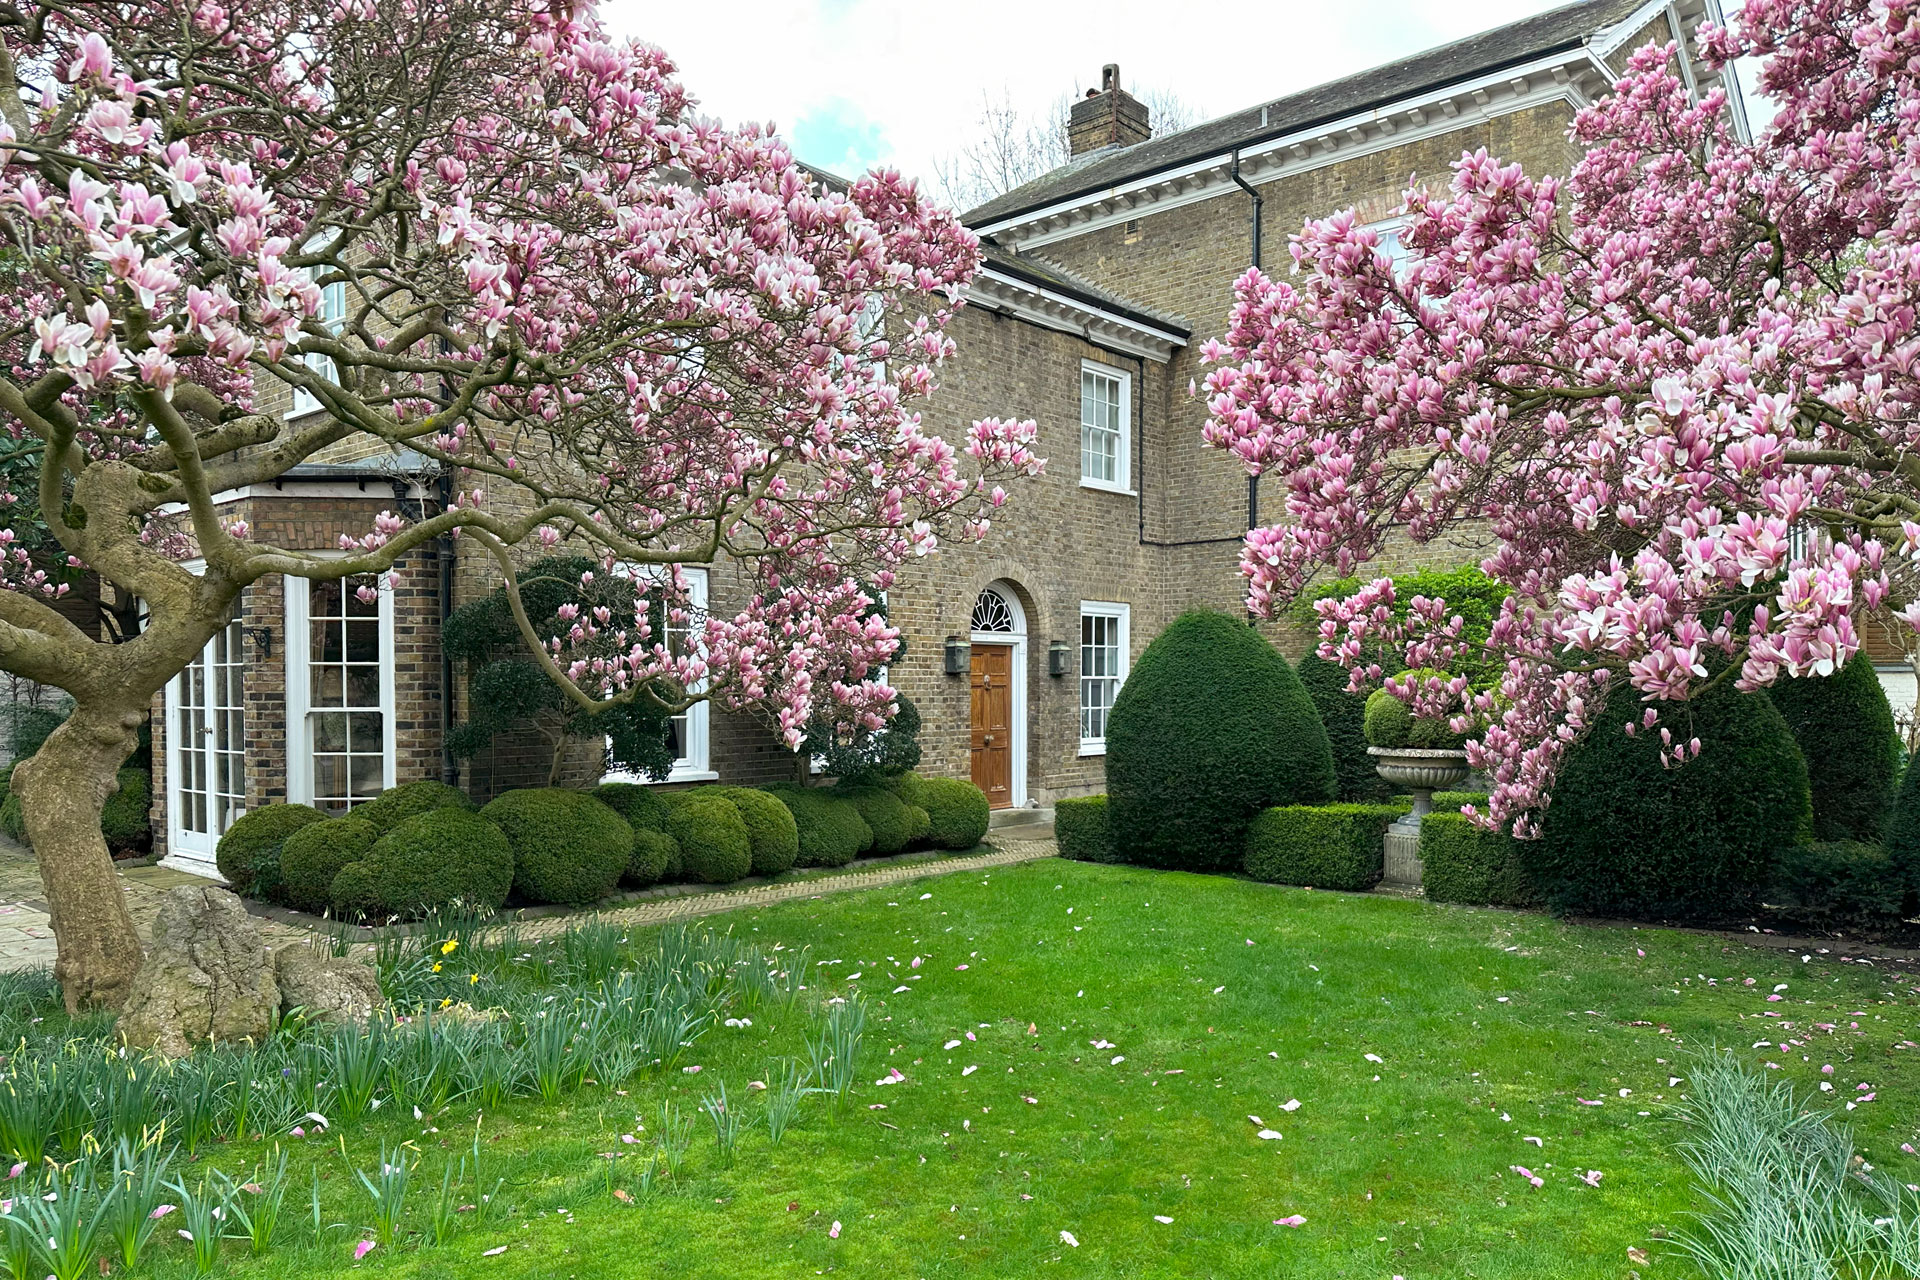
(1343, 714)
(641, 806)
(409, 800)
(957, 810)
(832, 832)
(1845, 731)
(890, 818)
(1626, 836)
(655, 854)
(1080, 829)
(1387, 722)
(249, 854)
(714, 845)
(770, 829)
(441, 857)
(568, 848)
(1211, 728)
(1464, 863)
(355, 892)
(1328, 846)
(313, 856)
(126, 819)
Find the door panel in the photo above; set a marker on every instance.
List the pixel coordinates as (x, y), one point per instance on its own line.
(992, 689)
(207, 736)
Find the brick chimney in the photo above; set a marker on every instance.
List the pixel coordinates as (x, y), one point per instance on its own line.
(1107, 116)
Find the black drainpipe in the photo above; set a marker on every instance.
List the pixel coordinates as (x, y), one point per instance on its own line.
(1253, 482)
(449, 768)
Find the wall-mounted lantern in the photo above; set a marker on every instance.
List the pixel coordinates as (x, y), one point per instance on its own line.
(1059, 658)
(959, 656)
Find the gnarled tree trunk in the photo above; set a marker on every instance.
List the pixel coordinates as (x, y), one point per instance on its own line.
(62, 789)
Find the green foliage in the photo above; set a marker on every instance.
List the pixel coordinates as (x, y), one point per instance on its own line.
(1470, 594)
(510, 692)
(1903, 834)
(770, 829)
(868, 755)
(715, 847)
(1211, 728)
(1388, 723)
(6, 780)
(1457, 800)
(1332, 846)
(249, 854)
(13, 818)
(1080, 829)
(1343, 714)
(641, 806)
(1846, 734)
(126, 820)
(440, 857)
(31, 728)
(568, 848)
(891, 819)
(832, 832)
(409, 800)
(956, 809)
(1845, 879)
(654, 854)
(313, 856)
(355, 892)
(1625, 836)
(1463, 863)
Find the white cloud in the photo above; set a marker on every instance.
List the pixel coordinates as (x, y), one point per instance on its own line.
(881, 81)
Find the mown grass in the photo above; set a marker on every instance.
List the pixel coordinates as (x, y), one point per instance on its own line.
(1222, 1000)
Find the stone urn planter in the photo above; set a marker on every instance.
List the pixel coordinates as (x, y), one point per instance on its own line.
(1423, 771)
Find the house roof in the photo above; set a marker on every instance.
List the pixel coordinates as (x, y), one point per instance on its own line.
(1034, 270)
(1558, 30)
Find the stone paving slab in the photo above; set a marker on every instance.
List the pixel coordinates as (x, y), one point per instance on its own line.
(27, 942)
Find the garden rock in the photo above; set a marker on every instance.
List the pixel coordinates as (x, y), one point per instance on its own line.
(327, 988)
(205, 978)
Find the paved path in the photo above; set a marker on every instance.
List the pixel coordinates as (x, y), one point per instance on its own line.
(26, 938)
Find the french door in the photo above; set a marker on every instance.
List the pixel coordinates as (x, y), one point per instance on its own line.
(206, 745)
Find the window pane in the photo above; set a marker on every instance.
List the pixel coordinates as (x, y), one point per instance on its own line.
(327, 686)
(329, 731)
(363, 686)
(363, 642)
(367, 776)
(364, 732)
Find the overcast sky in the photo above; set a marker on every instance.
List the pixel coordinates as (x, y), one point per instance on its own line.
(855, 83)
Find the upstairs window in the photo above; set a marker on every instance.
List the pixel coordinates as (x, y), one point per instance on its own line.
(1105, 409)
(333, 315)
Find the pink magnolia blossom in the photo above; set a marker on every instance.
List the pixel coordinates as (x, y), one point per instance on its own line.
(1675, 394)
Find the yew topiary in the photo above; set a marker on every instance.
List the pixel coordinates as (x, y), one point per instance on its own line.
(313, 856)
(1211, 728)
(568, 848)
(1845, 731)
(1343, 715)
(249, 854)
(1626, 836)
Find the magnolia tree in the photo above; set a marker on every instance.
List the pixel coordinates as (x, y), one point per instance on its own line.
(485, 231)
(1677, 393)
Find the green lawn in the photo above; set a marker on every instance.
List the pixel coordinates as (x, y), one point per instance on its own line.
(1117, 1029)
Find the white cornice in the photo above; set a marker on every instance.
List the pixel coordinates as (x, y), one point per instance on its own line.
(993, 290)
(1571, 77)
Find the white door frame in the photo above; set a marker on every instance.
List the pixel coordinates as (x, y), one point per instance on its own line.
(1017, 641)
(193, 851)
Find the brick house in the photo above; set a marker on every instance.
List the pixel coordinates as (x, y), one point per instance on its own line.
(1100, 279)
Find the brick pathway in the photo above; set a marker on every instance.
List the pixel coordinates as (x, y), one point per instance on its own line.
(26, 939)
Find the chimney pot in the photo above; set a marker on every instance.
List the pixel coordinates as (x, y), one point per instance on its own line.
(1107, 117)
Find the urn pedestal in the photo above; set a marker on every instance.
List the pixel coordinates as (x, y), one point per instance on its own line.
(1423, 771)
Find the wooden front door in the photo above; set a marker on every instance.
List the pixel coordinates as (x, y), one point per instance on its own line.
(993, 722)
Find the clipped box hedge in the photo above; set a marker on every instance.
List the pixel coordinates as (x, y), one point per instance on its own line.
(1466, 863)
(1328, 846)
(1080, 829)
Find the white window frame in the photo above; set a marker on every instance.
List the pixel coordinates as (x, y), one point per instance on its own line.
(299, 658)
(1123, 455)
(695, 766)
(1405, 259)
(1123, 613)
(333, 315)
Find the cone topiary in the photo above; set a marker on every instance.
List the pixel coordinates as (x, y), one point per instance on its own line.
(568, 848)
(1846, 734)
(1626, 836)
(1343, 715)
(1211, 728)
(249, 854)
(313, 856)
